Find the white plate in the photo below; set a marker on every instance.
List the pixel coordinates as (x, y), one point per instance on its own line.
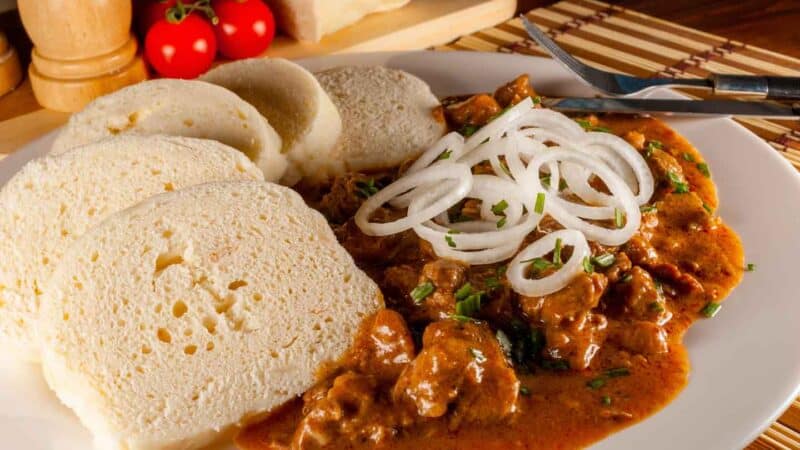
(745, 361)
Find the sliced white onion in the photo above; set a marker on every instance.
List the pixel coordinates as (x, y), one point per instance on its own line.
(622, 158)
(570, 214)
(497, 127)
(489, 189)
(476, 258)
(452, 142)
(557, 280)
(438, 172)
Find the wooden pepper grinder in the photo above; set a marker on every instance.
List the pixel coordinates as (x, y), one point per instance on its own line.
(82, 50)
(10, 70)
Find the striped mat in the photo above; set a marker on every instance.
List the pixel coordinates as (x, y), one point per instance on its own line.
(617, 39)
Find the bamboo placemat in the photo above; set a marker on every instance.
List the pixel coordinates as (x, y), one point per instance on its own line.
(618, 39)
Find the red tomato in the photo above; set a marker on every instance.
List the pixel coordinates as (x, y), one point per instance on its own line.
(245, 28)
(184, 49)
(149, 12)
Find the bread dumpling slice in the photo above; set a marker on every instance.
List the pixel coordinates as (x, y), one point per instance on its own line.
(388, 115)
(54, 200)
(188, 108)
(207, 306)
(296, 106)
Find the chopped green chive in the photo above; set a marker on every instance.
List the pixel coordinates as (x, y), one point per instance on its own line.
(539, 206)
(366, 188)
(627, 278)
(504, 166)
(604, 260)
(750, 267)
(523, 390)
(461, 318)
(679, 187)
(536, 100)
(450, 241)
(558, 365)
(648, 208)
(444, 155)
(708, 209)
(652, 145)
(587, 265)
(545, 181)
(688, 157)
(499, 207)
(538, 264)
(470, 305)
(656, 307)
(711, 309)
(596, 383)
(468, 130)
(463, 292)
(562, 184)
(589, 127)
(422, 291)
(557, 253)
(619, 218)
(617, 372)
(703, 168)
(605, 400)
(477, 355)
(493, 283)
(501, 223)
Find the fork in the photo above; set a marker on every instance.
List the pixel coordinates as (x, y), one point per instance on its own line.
(617, 84)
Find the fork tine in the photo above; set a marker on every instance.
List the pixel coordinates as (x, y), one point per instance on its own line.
(557, 52)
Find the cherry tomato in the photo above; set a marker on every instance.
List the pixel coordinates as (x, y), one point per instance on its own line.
(245, 28)
(149, 12)
(184, 49)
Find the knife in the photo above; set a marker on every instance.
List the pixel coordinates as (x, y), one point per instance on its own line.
(676, 107)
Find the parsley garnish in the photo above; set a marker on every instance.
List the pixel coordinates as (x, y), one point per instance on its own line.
(536, 100)
(366, 188)
(750, 267)
(422, 291)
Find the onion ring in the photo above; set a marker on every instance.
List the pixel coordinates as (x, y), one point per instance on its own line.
(558, 279)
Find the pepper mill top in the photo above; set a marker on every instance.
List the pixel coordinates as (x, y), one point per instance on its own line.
(82, 50)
